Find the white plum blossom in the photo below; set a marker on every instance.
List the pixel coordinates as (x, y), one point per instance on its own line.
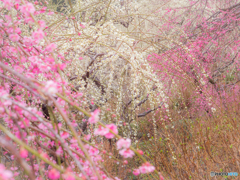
(51, 87)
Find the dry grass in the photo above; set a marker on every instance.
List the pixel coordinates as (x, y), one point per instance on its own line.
(188, 147)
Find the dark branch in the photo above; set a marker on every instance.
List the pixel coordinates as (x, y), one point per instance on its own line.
(147, 112)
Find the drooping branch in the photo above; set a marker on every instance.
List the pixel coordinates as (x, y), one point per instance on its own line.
(88, 73)
(23, 79)
(10, 147)
(51, 152)
(220, 70)
(147, 112)
(138, 96)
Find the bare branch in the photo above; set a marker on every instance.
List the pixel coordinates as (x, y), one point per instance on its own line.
(147, 112)
(6, 144)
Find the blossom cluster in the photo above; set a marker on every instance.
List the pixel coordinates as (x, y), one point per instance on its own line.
(37, 99)
(5, 174)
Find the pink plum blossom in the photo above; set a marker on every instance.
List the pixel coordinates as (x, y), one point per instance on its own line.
(101, 131)
(59, 151)
(51, 87)
(16, 6)
(136, 172)
(112, 127)
(161, 177)
(140, 152)
(38, 35)
(29, 20)
(146, 168)
(126, 153)
(35, 60)
(82, 26)
(87, 137)
(93, 151)
(4, 173)
(18, 30)
(64, 135)
(23, 153)
(42, 24)
(14, 37)
(43, 10)
(122, 143)
(94, 117)
(27, 8)
(53, 174)
(51, 47)
(68, 176)
(28, 41)
(50, 13)
(8, 4)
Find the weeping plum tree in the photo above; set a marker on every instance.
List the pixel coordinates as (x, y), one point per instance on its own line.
(201, 69)
(205, 55)
(39, 126)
